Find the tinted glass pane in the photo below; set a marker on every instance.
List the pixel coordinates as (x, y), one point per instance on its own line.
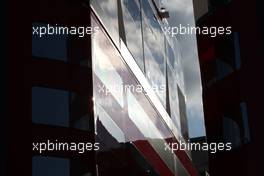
(54, 166)
(49, 46)
(51, 166)
(60, 108)
(50, 106)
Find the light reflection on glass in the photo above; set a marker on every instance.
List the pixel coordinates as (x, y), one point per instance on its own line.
(107, 12)
(110, 125)
(133, 34)
(105, 70)
(173, 97)
(154, 51)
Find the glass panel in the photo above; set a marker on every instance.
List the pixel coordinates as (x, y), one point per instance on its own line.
(50, 106)
(60, 108)
(154, 52)
(107, 122)
(108, 13)
(49, 46)
(116, 125)
(54, 166)
(133, 32)
(170, 55)
(183, 115)
(173, 99)
(103, 68)
(51, 166)
(109, 115)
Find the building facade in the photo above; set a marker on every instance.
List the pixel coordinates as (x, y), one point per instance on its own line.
(230, 66)
(121, 87)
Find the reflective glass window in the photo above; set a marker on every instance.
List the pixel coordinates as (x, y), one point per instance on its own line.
(49, 46)
(109, 124)
(50, 106)
(60, 108)
(105, 71)
(171, 55)
(173, 98)
(183, 115)
(133, 30)
(109, 102)
(108, 14)
(119, 124)
(112, 158)
(154, 50)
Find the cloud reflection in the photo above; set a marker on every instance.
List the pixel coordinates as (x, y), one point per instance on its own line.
(181, 12)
